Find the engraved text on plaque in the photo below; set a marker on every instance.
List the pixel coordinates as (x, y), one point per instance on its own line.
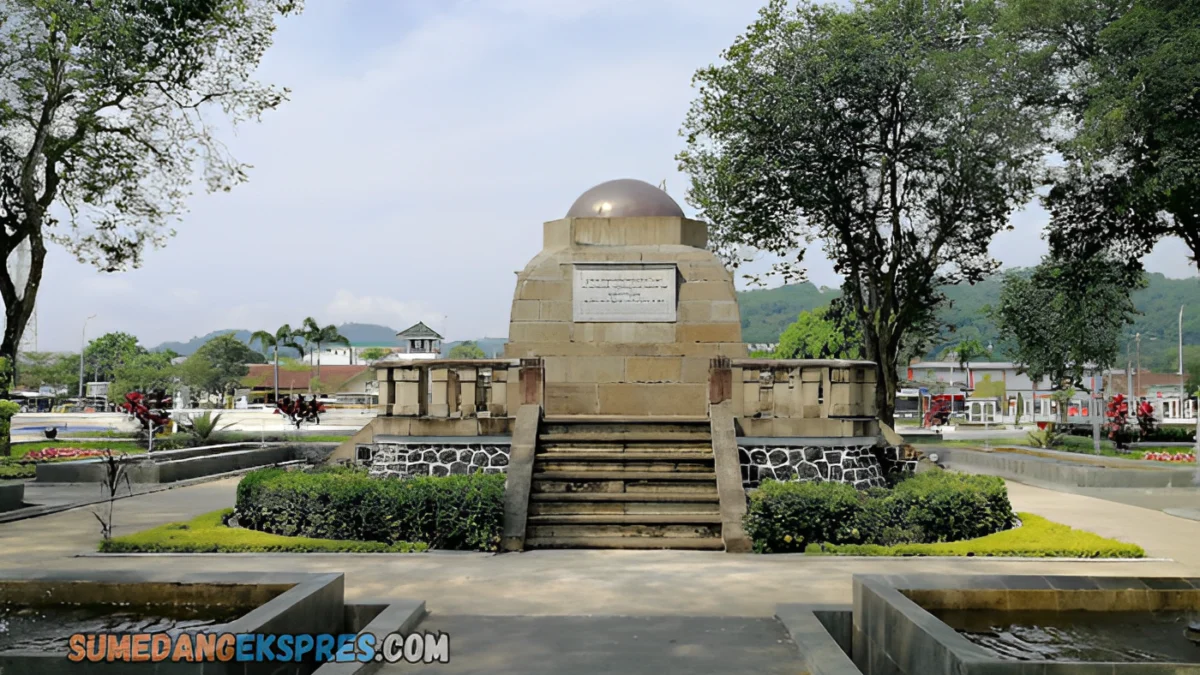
(624, 292)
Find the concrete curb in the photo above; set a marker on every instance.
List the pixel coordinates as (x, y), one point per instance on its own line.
(819, 649)
(791, 557)
(36, 511)
(399, 617)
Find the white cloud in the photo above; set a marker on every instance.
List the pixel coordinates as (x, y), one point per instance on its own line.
(348, 307)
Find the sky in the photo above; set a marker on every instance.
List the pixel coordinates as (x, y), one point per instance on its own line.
(423, 145)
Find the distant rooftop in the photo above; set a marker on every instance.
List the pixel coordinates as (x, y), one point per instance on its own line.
(419, 332)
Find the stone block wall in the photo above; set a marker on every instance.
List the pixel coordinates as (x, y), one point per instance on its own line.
(409, 460)
(862, 466)
(633, 368)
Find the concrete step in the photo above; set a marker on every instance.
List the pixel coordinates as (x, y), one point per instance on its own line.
(623, 475)
(573, 455)
(626, 519)
(629, 531)
(624, 437)
(702, 497)
(565, 508)
(641, 487)
(683, 543)
(606, 425)
(590, 466)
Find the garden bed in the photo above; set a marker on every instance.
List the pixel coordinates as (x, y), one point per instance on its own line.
(210, 534)
(1035, 538)
(444, 512)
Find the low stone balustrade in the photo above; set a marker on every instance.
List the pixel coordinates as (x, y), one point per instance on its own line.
(458, 389)
(797, 397)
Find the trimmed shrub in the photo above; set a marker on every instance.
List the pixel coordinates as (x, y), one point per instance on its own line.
(948, 506)
(448, 512)
(931, 507)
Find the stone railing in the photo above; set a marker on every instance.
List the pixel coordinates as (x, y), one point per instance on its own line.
(458, 389)
(794, 388)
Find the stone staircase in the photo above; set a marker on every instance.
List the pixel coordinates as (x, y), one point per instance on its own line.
(624, 483)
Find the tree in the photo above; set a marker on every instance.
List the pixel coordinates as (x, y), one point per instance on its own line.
(965, 352)
(106, 117)
(144, 372)
(374, 353)
(108, 353)
(58, 371)
(284, 336)
(227, 357)
(1066, 319)
(316, 335)
(466, 350)
(825, 333)
(198, 373)
(1129, 76)
(900, 135)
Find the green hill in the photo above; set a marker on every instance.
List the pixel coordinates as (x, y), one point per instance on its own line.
(765, 313)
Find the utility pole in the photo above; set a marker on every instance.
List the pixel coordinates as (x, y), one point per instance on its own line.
(1182, 390)
(82, 346)
(1138, 374)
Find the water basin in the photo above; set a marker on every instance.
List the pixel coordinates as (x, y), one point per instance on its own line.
(47, 628)
(1096, 637)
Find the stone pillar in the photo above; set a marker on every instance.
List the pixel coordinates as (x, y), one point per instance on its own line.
(533, 378)
(720, 380)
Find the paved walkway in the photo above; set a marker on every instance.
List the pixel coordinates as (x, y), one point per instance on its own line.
(630, 583)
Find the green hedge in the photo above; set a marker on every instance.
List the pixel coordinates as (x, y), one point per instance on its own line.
(447, 512)
(209, 534)
(931, 507)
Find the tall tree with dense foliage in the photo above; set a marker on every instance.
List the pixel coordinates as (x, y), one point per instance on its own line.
(107, 114)
(1130, 73)
(145, 373)
(284, 336)
(824, 333)
(227, 358)
(107, 354)
(900, 135)
(1066, 319)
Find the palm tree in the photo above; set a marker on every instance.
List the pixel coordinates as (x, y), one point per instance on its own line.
(283, 337)
(329, 335)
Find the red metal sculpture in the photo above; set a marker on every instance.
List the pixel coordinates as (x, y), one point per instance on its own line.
(152, 412)
(1118, 421)
(300, 410)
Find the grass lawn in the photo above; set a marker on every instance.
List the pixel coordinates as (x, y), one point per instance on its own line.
(208, 534)
(1036, 538)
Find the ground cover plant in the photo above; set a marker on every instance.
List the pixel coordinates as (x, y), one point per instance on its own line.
(1035, 538)
(209, 533)
(445, 512)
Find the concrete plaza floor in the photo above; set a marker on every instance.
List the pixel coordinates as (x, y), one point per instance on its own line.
(582, 582)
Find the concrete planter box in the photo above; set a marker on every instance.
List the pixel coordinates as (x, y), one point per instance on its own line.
(1061, 469)
(894, 633)
(275, 604)
(12, 495)
(177, 465)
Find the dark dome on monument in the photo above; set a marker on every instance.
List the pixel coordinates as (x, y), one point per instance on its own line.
(625, 198)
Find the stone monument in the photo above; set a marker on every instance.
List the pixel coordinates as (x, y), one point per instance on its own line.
(626, 307)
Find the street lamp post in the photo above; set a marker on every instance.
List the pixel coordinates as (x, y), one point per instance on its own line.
(82, 345)
(1182, 390)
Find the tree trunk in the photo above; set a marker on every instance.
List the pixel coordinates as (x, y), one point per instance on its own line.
(18, 303)
(276, 374)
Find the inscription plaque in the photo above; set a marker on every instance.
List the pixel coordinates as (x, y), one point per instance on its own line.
(624, 292)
